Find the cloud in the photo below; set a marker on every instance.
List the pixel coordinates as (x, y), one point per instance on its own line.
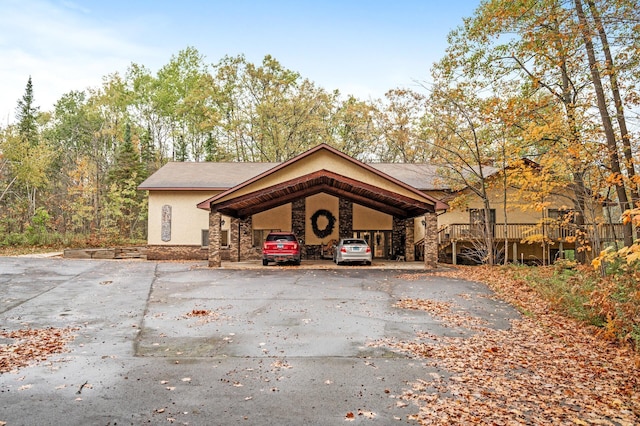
(63, 47)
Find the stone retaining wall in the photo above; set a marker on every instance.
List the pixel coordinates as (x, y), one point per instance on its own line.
(107, 253)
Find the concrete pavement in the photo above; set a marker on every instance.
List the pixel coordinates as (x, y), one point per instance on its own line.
(274, 345)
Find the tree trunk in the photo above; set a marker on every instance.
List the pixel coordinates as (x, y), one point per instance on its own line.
(617, 99)
(612, 147)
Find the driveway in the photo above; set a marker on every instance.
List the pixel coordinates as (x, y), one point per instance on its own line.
(169, 342)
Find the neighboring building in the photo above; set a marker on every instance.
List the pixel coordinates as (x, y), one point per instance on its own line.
(223, 211)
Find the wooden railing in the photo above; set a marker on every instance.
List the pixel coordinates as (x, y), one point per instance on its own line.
(520, 231)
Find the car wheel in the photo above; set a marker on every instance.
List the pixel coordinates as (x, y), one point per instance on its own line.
(367, 263)
(296, 262)
(265, 262)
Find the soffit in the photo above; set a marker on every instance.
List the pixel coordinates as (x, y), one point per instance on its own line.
(324, 181)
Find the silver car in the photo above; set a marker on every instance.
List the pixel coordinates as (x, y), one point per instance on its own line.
(352, 250)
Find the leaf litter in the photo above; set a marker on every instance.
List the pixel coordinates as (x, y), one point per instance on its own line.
(546, 369)
(32, 345)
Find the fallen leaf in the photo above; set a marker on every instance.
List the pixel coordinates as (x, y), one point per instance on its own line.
(366, 414)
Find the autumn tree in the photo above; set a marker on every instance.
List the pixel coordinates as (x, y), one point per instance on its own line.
(354, 128)
(26, 159)
(541, 48)
(460, 142)
(399, 120)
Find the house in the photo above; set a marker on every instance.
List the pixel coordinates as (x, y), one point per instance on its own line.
(223, 211)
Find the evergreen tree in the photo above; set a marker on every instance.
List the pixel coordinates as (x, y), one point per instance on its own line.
(127, 161)
(27, 115)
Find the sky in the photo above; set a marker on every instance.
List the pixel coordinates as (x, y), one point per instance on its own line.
(360, 47)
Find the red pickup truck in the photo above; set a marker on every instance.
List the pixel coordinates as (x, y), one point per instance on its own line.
(281, 247)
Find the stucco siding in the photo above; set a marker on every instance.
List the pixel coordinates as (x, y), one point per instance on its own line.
(187, 221)
(323, 160)
(313, 204)
(276, 218)
(365, 219)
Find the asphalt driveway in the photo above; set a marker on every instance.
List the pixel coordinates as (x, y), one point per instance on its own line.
(163, 343)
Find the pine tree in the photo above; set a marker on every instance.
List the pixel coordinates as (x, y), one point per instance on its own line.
(127, 161)
(27, 115)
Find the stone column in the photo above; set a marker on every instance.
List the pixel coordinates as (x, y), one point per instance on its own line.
(215, 226)
(345, 218)
(234, 240)
(246, 239)
(298, 222)
(431, 241)
(298, 217)
(398, 237)
(409, 239)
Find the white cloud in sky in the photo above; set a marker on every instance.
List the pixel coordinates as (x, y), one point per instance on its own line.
(357, 47)
(60, 49)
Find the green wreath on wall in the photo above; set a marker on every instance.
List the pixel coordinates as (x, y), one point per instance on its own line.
(328, 230)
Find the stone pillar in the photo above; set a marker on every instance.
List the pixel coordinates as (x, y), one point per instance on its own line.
(398, 237)
(298, 217)
(431, 241)
(246, 239)
(409, 239)
(215, 226)
(234, 240)
(345, 218)
(299, 224)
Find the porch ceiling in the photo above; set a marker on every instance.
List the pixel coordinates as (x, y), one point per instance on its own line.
(328, 182)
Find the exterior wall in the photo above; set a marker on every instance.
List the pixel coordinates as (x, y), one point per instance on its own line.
(187, 221)
(517, 211)
(312, 205)
(365, 219)
(276, 218)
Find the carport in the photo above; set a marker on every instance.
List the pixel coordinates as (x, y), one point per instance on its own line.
(325, 170)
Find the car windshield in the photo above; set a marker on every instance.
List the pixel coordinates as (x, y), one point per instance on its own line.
(345, 242)
(277, 237)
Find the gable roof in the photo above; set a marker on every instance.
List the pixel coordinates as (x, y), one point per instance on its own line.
(302, 173)
(225, 175)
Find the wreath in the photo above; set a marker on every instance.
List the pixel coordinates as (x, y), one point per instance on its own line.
(331, 219)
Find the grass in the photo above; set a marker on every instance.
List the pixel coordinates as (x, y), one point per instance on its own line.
(611, 303)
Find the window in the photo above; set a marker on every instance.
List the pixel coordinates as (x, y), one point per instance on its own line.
(224, 238)
(476, 216)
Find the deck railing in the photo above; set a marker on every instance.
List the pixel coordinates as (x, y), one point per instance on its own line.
(520, 231)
